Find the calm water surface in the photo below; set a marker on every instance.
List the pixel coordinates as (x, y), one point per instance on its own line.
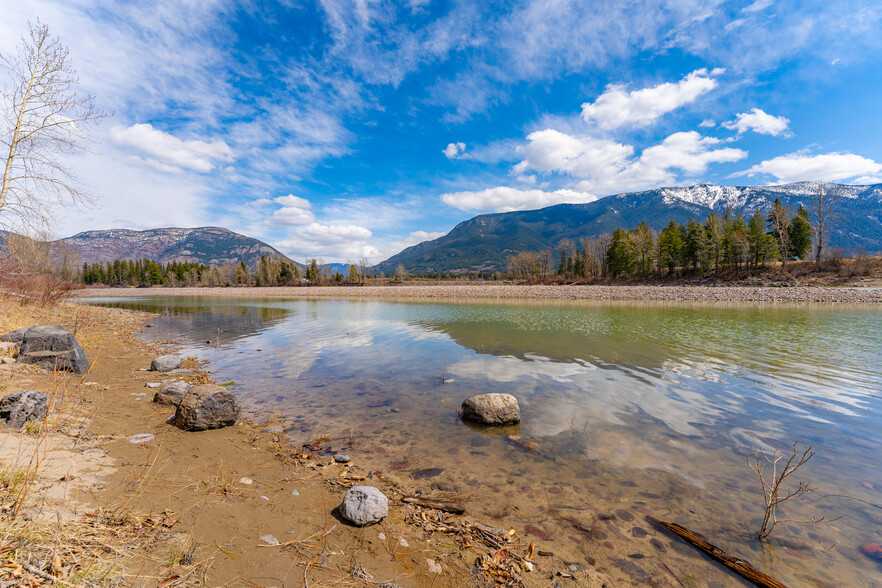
(627, 409)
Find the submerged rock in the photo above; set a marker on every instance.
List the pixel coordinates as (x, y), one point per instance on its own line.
(364, 505)
(166, 363)
(492, 409)
(172, 393)
(18, 408)
(52, 347)
(341, 458)
(208, 406)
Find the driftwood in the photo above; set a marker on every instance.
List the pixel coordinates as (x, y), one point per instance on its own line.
(451, 506)
(739, 566)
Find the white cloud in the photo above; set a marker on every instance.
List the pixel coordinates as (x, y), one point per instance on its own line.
(759, 122)
(605, 166)
(454, 150)
(327, 234)
(707, 123)
(618, 108)
(331, 243)
(829, 167)
(553, 151)
(505, 199)
(688, 151)
(292, 201)
(290, 216)
(167, 150)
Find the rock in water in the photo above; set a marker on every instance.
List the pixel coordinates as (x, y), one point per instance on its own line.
(492, 409)
(20, 407)
(166, 363)
(52, 347)
(364, 505)
(172, 393)
(341, 458)
(208, 406)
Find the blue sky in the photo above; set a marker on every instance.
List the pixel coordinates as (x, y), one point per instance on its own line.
(342, 130)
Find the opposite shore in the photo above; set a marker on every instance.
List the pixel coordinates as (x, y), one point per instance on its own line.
(642, 293)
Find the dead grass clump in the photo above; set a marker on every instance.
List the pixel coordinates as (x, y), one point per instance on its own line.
(93, 550)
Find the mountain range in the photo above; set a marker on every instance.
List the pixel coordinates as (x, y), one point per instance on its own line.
(213, 246)
(484, 242)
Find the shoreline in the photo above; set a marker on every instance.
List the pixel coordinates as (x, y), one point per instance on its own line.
(588, 293)
(245, 503)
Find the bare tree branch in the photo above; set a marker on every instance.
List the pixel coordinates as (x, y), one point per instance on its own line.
(45, 119)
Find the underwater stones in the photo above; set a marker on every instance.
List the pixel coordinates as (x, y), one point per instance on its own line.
(18, 408)
(172, 393)
(872, 550)
(492, 409)
(341, 458)
(205, 407)
(166, 363)
(364, 505)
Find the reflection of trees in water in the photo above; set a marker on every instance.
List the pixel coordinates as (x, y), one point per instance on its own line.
(197, 321)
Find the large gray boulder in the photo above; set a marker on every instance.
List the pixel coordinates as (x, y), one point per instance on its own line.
(172, 393)
(54, 348)
(166, 363)
(364, 505)
(492, 409)
(208, 406)
(18, 408)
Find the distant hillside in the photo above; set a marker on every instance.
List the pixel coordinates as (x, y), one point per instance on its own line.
(484, 242)
(209, 245)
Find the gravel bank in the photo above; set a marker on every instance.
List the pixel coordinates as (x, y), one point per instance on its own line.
(712, 294)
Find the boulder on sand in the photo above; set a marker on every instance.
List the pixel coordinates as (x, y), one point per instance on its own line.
(172, 393)
(52, 347)
(207, 406)
(364, 505)
(18, 408)
(166, 363)
(492, 409)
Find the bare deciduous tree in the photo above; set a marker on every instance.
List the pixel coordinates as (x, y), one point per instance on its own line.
(44, 119)
(827, 197)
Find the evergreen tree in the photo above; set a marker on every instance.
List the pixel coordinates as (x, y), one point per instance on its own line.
(670, 247)
(800, 230)
(620, 259)
(693, 244)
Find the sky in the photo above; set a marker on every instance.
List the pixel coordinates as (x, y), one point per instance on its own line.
(352, 129)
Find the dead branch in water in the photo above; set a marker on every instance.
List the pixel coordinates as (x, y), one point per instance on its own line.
(737, 565)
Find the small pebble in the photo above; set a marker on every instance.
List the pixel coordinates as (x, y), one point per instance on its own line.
(341, 458)
(141, 438)
(381, 536)
(295, 493)
(403, 542)
(264, 497)
(270, 540)
(153, 384)
(246, 481)
(8, 360)
(433, 567)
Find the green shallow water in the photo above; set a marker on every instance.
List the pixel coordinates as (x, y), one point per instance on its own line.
(627, 410)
